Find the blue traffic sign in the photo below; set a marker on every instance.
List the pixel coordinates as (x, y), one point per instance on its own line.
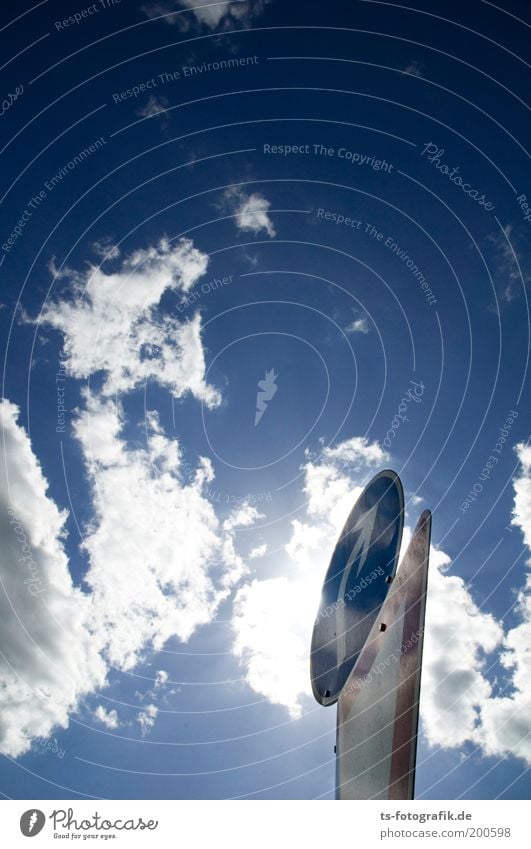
(356, 584)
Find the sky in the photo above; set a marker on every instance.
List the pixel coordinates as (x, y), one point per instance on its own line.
(253, 253)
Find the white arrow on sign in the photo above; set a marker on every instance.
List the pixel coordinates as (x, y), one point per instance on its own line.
(365, 526)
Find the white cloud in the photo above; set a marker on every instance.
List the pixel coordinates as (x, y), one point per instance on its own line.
(359, 325)
(155, 540)
(146, 719)
(49, 659)
(506, 720)
(104, 248)
(521, 517)
(273, 619)
(458, 635)
(251, 211)
(356, 453)
(109, 718)
(258, 551)
(414, 69)
(506, 256)
(161, 678)
(155, 106)
(329, 480)
(242, 517)
(210, 15)
(271, 639)
(161, 562)
(112, 324)
(459, 702)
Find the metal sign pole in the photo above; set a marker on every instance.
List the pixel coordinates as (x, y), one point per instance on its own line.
(367, 644)
(378, 709)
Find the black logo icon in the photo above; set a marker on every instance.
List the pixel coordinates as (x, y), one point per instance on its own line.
(32, 822)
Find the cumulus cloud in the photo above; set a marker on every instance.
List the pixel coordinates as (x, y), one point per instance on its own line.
(161, 678)
(109, 718)
(155, 540)
(273, 618)
(143, 589)
(359, 325)
(460, 702)
(251, 212)
(332, 479)
(155, 106)
(271, 639)
(505, 721)
(49, 658)
(506, 262)
(521, 516)
(111, 323)
(242, 517)
(146, 719)
(355, 453)
(414, 69)
(505, 726)
(209, 15)
(104, 248)
(161, 562)
(458, 638)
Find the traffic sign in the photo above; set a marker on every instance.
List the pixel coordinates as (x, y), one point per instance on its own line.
(356, 584)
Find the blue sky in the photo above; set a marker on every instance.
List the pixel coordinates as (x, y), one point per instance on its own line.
(195, 196)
